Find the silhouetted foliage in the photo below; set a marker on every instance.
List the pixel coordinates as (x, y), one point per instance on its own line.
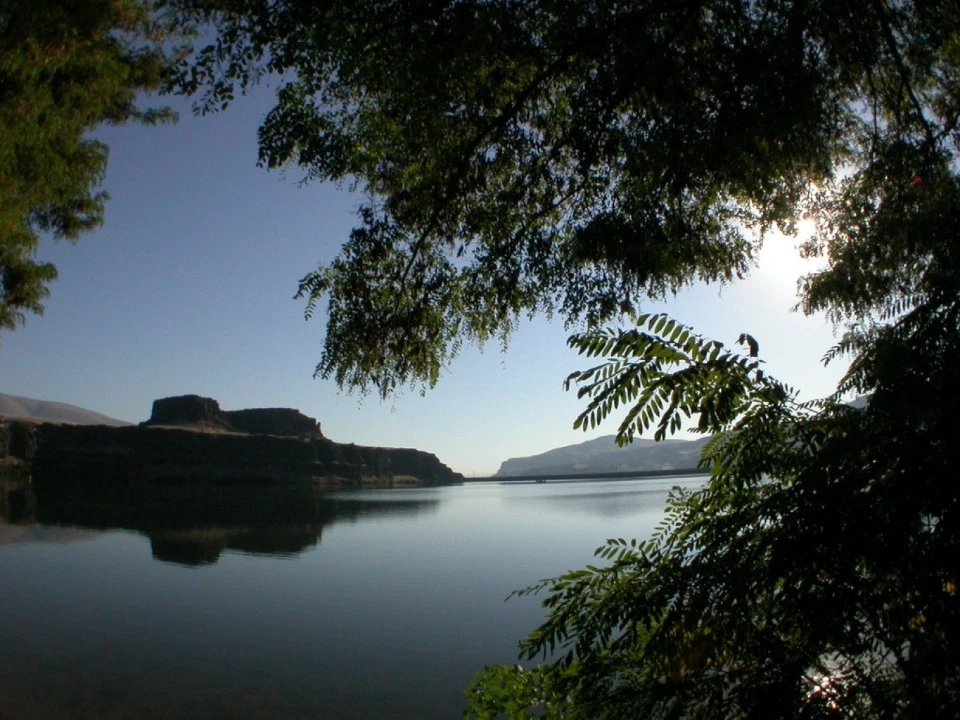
(575, 157)
(65, 68)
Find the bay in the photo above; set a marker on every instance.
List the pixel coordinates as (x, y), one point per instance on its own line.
(124, 602)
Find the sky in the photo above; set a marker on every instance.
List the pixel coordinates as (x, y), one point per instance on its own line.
(188, 288)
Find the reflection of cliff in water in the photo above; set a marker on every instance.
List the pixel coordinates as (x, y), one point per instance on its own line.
(194, 524)
(17, 502)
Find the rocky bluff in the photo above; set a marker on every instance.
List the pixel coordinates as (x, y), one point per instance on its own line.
(193, 411)
(190, 439)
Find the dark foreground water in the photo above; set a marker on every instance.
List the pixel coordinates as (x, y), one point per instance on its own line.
(174, 603)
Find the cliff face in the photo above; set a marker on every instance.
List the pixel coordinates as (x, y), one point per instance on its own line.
(200, 413)
(188, 410)
(189, 439)
(274, 421)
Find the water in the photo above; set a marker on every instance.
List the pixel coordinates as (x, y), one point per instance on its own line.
(172, 602)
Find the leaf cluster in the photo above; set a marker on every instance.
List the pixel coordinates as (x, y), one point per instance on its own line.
(554, 156)
(664, 374)
(813, 576)
(65, 68)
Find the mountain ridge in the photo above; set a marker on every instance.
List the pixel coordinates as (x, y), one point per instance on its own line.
(16, 407)
(603, 455)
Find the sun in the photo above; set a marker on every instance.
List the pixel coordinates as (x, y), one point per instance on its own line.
(779, 261)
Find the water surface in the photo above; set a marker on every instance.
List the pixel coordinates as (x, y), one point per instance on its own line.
(221, 603)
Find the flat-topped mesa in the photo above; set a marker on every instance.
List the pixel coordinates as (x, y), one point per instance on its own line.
(188, 411)
(195, 411)
(274, 421)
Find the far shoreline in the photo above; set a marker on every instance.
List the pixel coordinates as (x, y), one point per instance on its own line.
(620, 474)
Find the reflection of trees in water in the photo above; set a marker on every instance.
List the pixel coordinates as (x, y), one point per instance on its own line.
(194, 524)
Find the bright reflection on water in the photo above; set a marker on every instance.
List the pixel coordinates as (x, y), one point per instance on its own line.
(283, 604)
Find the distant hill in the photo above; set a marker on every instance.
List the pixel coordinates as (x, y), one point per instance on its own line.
(602, 455)
(24, 408)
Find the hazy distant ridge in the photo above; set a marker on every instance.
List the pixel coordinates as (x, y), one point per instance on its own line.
(602, 455)
(24, 408)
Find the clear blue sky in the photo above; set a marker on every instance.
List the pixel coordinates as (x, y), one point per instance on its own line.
(188, 288)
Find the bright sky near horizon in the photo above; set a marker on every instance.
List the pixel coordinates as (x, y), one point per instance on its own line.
(188, 287)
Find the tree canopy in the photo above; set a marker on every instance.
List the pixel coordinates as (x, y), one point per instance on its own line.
(65, 68)
(575, 157)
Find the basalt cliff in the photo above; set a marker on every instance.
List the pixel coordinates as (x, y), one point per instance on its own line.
(190, 439)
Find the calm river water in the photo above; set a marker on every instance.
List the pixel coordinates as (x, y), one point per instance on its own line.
(177, 603)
